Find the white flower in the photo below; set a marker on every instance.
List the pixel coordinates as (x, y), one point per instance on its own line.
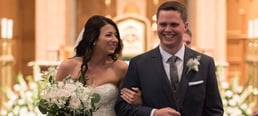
(224, 85)
(235, 99)
(28, 94)
(23, 111)
(74, 102)
(236, 112)
(232, 102)
(193, 64)
(60, 84)
(225, 102)
(249, 111)
(63, 93)
(21, 101)
(70, 87)
(10, 114)
(229, 93)
(51, 95)
(243, 106)
(16, 110)
(79, 84)
(33, 85)
(87, 90)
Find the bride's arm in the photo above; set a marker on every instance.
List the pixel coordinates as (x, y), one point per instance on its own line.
(133, 96)
(62, 70)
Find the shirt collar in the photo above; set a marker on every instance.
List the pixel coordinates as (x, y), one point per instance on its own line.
(165, 55)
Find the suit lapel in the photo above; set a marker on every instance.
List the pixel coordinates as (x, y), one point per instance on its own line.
(185, 77)
(161, 71)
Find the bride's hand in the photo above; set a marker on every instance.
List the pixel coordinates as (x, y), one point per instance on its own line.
(133, 96)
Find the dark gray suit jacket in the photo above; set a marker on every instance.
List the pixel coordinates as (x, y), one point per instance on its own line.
(199, 92)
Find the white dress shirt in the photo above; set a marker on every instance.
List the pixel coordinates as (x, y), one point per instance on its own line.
(179, 63)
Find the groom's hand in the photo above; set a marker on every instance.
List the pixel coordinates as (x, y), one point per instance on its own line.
(167, 111)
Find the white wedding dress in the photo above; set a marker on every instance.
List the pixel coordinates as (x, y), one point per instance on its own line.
(108, 95)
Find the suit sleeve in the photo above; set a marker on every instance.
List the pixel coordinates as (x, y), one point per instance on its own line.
(213, 104)
(122, 108)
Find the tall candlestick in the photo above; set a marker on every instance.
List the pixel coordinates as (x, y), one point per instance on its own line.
(250, 29)
(4, 28)
(255, 28)
(9, 29)
(107, 2)
(155, 2)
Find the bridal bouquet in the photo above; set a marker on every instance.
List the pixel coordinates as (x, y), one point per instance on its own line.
(66, 98)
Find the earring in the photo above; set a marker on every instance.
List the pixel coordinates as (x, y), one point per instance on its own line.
(94, 43)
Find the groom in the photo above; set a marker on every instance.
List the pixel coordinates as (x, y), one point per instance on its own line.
(194, 91)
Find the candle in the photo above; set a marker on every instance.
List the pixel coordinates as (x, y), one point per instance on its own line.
(9, 29)
(250, 29)
(255, 28)
(155, 2)
(107, 2)
(4, 28)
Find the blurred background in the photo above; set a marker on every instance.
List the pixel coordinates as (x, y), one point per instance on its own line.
(44, 32)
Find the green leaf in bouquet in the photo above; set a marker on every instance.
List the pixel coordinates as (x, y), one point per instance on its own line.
(95, 98)
(43, 106)
(62, 113)
(52, 114)
(86, 113)
(51, 80)
(67, 78)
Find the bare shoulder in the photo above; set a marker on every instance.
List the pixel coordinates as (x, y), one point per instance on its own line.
(67, 67)
(66, 64)
(121, 65)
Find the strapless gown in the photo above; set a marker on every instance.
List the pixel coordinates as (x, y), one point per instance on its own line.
(108, 95)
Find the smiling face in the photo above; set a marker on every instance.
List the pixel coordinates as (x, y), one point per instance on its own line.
(107, 41)
(171, 28)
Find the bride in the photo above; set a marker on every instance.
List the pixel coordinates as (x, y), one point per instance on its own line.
(97, 56)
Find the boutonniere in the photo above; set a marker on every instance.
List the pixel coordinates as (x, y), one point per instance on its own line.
(193, 63)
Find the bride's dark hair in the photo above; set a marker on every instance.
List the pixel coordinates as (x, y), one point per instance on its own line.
(90, 35)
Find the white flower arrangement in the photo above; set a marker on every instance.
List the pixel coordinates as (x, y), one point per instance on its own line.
(193, 63)
(235, 98)
(22, 98)
(68, 97)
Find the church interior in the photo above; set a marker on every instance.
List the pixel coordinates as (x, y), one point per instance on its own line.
(44, 32)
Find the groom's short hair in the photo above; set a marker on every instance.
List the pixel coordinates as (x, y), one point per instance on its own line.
(173, 5)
